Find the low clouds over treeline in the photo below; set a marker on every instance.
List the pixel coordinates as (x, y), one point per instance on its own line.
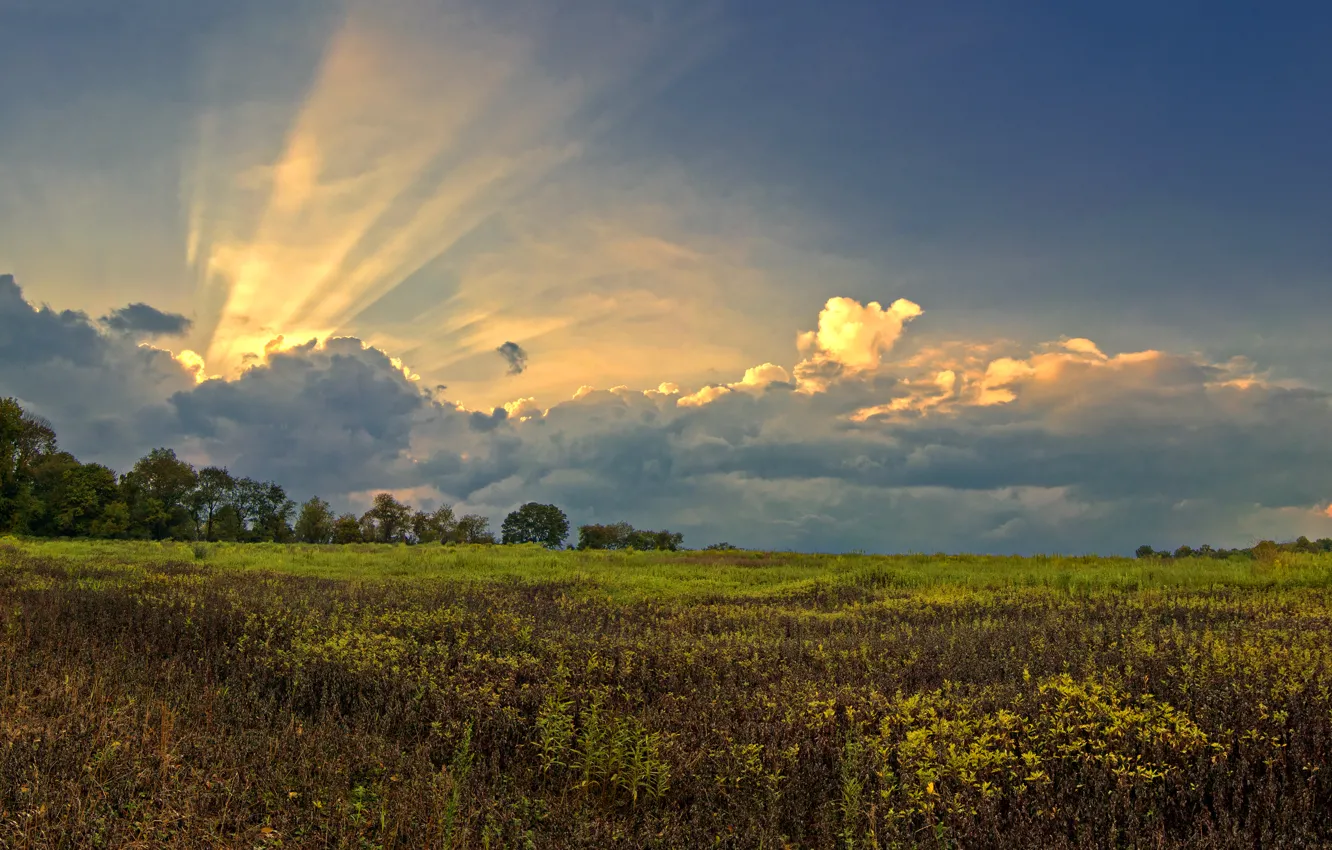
(964, 446)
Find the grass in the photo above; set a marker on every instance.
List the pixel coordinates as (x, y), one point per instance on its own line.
(635, 576)
(372, 696)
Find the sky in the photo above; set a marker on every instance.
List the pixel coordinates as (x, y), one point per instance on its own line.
(839, 276)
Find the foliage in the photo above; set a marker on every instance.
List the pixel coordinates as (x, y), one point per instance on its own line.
(536, 523)
(315, 523)
(622, 535)
(377, 696)
(472, 528)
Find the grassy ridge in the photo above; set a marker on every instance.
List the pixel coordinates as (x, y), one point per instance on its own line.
(475, 697)
(630, 576)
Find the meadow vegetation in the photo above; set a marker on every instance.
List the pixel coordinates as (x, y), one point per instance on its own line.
(206, 694)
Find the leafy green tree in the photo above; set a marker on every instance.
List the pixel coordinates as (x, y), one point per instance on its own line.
(472, 528)
(212, 492)
(536, 523)
(614, 536)
(71, 496)
(1144, 552)
(157, 489)
(347, 529)
(272, 517)
(644, 540)
(622, 535)
(248, 498)
(24, 440)
(435, 526)
(114, 521)
(387, 521)
(227, 525)
(315, 524)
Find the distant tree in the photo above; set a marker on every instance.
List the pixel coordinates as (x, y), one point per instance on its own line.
(1304, 544)
(72, 496)
(211, 493)
(315, 524)
(433, 527)
(387, 521)
(157, 489)
(1145, 552)
(273, 512)
(249, 498)
(228, 526)
(114, 521)
(1265, 550)
(536, 523)
(347, 529)
(721, 547)
(1184, 552)
(24, 440)
(613, 536)
(644, 540)
(472, 528)
(622, 535)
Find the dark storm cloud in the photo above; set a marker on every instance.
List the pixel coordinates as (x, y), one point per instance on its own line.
(103, 393)
(31, 335)
(330, 419)
(515, 356)
(1095, 455)
(147, 321)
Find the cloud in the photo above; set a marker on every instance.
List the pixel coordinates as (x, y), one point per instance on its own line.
(961, 446)
(851, 338)
(145, 320)
(515, 356)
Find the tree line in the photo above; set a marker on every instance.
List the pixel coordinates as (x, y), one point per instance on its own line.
(46, 492)
(1263, 550)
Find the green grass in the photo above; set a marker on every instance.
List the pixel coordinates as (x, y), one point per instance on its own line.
(205, 695)
(629, 576)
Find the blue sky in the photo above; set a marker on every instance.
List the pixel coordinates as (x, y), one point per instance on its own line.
(650, 193)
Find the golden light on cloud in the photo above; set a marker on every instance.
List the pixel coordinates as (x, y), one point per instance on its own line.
(422, 123)
(417, 127)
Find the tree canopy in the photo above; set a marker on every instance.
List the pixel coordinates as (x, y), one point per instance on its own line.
(536, 523)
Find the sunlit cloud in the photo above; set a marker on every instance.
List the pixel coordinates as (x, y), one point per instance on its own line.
(420, 125)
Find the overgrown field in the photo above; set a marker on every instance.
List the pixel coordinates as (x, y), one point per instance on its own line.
(289, 696)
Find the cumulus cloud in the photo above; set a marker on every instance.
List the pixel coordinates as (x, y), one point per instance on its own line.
(851, 338)
(961, 446)
(145, 320)
(515, 356)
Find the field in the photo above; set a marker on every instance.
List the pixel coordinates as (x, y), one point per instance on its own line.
(197, 695)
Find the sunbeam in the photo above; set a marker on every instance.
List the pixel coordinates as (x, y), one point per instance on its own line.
(417, 128)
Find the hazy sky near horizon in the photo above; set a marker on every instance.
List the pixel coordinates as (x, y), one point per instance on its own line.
(840, 275)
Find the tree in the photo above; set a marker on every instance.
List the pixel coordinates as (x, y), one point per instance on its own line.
(272, 514)
(156, 489)
(614, 536)
(1144, 552)
(473, 528)
(388, 520)
(211, 493)
(433, 527)
(24, 440)
(70, 496)
(248, 498)
(315, 524)
(622, 535)
(645, 540)
(536, 523)
(347, 529)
